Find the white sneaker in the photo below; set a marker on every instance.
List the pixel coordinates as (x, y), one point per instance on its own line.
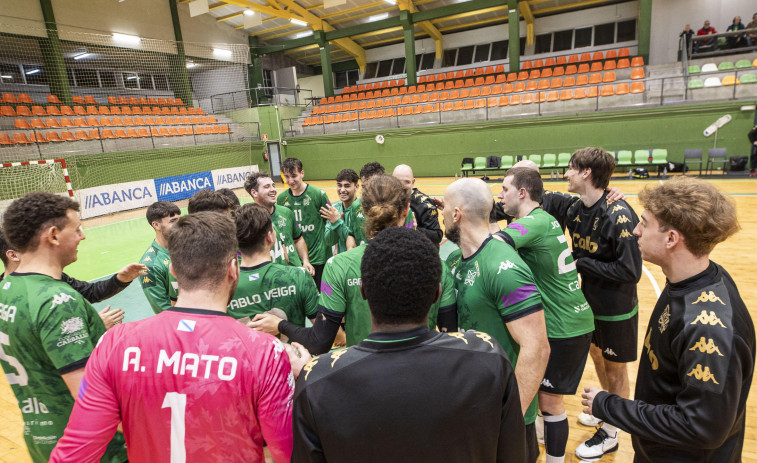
(598, 446)
(539, 423)
(589, 420)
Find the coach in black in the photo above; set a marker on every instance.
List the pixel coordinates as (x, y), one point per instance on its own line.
(698, 357)
(423, 207)
(406, 393)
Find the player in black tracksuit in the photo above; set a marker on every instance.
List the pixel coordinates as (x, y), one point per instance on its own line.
(426, 216)
(694, 375)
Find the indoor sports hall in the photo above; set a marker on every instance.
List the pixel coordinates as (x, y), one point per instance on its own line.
(123, 103)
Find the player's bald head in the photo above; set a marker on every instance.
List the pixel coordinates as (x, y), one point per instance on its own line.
(471, 196)
(528, 164)
(404, 174)
(403, 169)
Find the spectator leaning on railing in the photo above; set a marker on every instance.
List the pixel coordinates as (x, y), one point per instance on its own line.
(736, 41)
(753, 25)
(706, 30)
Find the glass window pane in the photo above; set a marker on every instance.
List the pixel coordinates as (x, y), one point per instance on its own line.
(385, 68)
(145, 82)
(131, 80)
(627, 30)
(465, 55)
(86, 78)
(449, 58)
(428, 61)
(370, 70)
(353, 76)
(35, 74)
(482, 53)
(583, 37)
(543, 43)
(522, 45)
(399, 66)
(108, 79)
(604, 34)
(563, 40)
(499, 50)
(161, 83)
(340, 80)
(10, 74)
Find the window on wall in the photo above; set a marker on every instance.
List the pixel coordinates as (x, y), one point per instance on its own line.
(499, 50)
(145, 82)
(449, 58)
(268, 82)
(384, 68)
(131, 80)
(399, 66)
(428, 61)
(161, 82)
(108, 79)
(370, 70)
(340, 80)
(604, 34)
(10, 74)
(627, 31)
(482, 53)
(34, 74)
(543, 43)
(464, 56)
(86, 78)
(562, 40)
(583, 37)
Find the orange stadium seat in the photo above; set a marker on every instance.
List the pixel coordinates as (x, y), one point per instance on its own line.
(546, 73)
(5, 139)
(622, 89)
(623, 63)
(21, 138)
(92, 122)
(52, 122)
(609, 65)
(37, 124)
(39, 111)
(608, 77)
(611, 54)
(94, 134)
(67, 136)
(624, 52)
(54, 137)
(637, 73)
(23, 111)
(579, 93)
(637, 87)
(81, 135)
(9, 98)
(7, 111)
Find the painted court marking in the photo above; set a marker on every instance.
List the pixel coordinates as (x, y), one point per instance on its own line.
(652, 280)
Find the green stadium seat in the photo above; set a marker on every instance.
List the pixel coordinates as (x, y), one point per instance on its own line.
(479, 163)
(625, 158)
(695, 83)
(563, 159)
(725, 66)
(467, 165)
(660, 159)
(536, 158)
(743, 64)
(549, 161)
(748, 79)
(507, 162)
(694, 69)
(640, 156)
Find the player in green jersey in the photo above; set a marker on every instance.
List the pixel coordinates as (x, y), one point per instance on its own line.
(159, 285)
(47, 330)
(496, 292)
(305, 201)
(386, 204)
(262, 189)
(541, 243)
(343, 212)
(264, 285)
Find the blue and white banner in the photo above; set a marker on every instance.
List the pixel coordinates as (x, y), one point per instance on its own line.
(108, 199)
(182, 186)
(232, 177)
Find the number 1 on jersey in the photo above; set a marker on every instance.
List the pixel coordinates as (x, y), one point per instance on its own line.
(178, 405)
(298, 215)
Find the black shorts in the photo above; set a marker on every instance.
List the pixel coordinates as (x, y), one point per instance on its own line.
(532, 445)
(618, 340)
(567, 360)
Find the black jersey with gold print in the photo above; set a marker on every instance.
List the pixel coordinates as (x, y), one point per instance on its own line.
(607, 256)
(419, 395)
(426, 215)
(694, 375)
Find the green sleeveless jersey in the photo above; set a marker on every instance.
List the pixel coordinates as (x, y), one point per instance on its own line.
(494, 287)
(340, 293)
(541, 243)
(268, 285)
(307, 213)
(46, 329)
(288, 232)
(159, 286)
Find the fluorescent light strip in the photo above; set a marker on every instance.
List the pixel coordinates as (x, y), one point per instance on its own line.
(221, 53)
(304, 34)
(33, 71)
(126, 39)
(6, 77)
(249, 12)
(82, 55)
(378, 17)
(298, 22)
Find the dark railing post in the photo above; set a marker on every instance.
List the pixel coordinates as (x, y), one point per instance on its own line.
(152, 139)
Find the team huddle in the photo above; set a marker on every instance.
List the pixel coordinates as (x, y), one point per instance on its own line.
(335, 332)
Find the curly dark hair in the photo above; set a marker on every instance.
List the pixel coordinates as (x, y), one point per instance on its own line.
(160, 210)
(347, 175)
(291, 165)
(26, 217)
(252, 181)
(4, 247)
(231, 195)
(201, 246)
(253, 221)
(396, 260)
(384, 198)
(371, 169)
(209, 200)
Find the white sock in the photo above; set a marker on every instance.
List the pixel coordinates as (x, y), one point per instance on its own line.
(551, 459)
(611, 430)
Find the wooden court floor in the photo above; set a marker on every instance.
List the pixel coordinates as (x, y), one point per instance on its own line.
(736, 255)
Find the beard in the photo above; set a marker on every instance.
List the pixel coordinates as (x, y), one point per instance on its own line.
(453, 234)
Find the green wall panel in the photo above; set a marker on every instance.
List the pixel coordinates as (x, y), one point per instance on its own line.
(437, 151)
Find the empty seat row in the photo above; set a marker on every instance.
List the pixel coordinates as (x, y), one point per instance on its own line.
(724, 66)
(24, 98)
(108, 122)
(103, 134)
(712, 82)
(51, 110)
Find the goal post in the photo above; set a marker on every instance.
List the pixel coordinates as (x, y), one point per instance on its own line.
(19, 178)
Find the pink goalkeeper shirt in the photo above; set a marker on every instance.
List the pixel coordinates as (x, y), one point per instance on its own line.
(188, 385)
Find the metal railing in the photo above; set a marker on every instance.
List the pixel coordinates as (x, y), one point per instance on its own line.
(711, 40)
(657, 92)
(261, 96)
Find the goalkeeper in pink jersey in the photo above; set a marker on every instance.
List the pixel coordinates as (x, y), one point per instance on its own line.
(191, 383)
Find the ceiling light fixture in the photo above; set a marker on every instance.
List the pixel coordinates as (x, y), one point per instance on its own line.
(391, 2)
(221, 53)
(249, 12)
(304, 34)
(298, 22)
(82, 55)
(33, 71)
(126, 39)
(378, 17)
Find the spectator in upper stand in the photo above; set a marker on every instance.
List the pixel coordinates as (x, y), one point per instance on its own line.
(706, 30)
(753, 25)
(737, 41)
(686, 34)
